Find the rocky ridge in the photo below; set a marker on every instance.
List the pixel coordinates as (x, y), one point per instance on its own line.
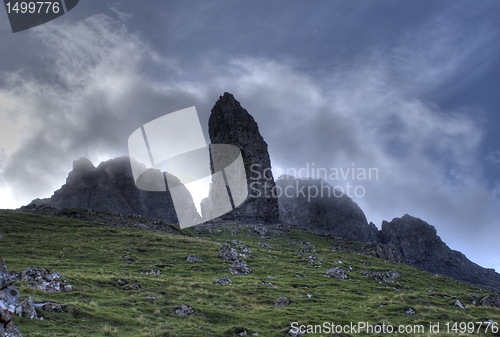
(419, 245)
(110, 187)
(312, 204)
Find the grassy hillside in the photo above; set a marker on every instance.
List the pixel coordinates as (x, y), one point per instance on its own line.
(95, 257)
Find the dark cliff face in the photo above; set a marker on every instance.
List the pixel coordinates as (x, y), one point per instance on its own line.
(421, 247)
(231, 124)
(314, 205)
(111, 187)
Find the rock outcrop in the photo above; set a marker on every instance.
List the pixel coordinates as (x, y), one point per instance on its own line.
(313, 205)
(490, 301)
(420, 246)
(9, 302)
(231, 124)
(111, 187)
(45, 280)
(376, 249)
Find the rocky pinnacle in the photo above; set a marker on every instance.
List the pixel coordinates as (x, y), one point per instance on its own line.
(230, 123)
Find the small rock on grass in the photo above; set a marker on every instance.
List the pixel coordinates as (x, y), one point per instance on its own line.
(282, 301)
(184, 310)
(337, 273)
(240, 267)
(192, 258)
(410, 311)
(228, 253)
(459, 304)
(224, 280)
(150, 271)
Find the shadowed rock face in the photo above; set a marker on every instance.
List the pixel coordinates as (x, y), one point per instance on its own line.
(313, 205)
(230, 124)
(420, 246)
(111, 187)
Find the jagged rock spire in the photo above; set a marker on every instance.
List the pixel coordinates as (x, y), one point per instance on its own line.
(230, 123)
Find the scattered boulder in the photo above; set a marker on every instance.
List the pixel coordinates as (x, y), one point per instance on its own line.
(46, 280)
(150, 271)
(292, 332)
(261, 230)
(459, 304)
(128, 284)
(265, 245)
(122, 282)
(306, 251)
(224, 280)
(242, 247)
(184, 310)
(228, 253)
(27, 308)
(239, 331)
(282, 302)
(382, 276)
(240, 267)
(337, 272)
(314, 260)
(134, 286)
(192, 258)
(52, 306)
(10, 330)
(410, 311)
(490, 301)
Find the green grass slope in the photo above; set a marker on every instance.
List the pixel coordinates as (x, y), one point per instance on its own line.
(93, 257)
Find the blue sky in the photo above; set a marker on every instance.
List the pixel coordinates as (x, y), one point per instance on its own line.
(409, 88)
